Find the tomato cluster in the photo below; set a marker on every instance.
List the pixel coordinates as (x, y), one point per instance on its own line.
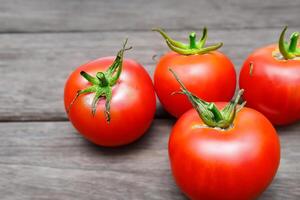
(217, 150)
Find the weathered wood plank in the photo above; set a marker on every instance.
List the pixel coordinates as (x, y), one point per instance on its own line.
(34, 67)
(93, 15)
(49, 160)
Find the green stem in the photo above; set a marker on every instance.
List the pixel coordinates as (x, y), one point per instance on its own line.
(193, 48)
(102, 84)
(193, 44)
(195, 51)
(102, 78)
(288, 51)
(169, 39)
(238, 97)
(89, 78)
(294, 42)
(208, 112)
(213, 108)
(202, 41)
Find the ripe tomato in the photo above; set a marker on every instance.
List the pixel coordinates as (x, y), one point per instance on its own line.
(215, 162)
(122, 106)
(272, 81)
(207, 73)
(238, 163)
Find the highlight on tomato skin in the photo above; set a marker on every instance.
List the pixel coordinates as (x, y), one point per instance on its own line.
(110, 101)
(222, 151)
(270, 77)
(205, 71)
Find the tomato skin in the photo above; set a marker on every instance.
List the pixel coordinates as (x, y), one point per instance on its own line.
(211, 164)
(274, 86)
(132, 106)
(210, 76)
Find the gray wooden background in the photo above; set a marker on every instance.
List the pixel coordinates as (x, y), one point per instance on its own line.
(42, 41)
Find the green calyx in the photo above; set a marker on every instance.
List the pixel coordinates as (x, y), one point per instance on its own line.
(194, 47)
(289, 50)
(208, 112)
(102, 83)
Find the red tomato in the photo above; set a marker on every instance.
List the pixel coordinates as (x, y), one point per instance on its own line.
(208, 74)
(222, 152)
(213, 164)
(132, 105)
(272, 84)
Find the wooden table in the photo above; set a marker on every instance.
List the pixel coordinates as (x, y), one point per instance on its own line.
(42, 41)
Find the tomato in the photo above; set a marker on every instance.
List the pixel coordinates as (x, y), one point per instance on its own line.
(125, 105)
(238, 163)
(272, 81)
(208, 74)
(215, 162)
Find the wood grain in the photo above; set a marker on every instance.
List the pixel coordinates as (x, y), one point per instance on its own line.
(106, 15)
(49, 160)
(34, 67)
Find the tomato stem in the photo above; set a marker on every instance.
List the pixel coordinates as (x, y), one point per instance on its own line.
(289, 51)
(194, 47)
(89, 78)
(208, 112)
(102, 79)
(102, 83)
(203, 39)
(193, 43)
(294, 42)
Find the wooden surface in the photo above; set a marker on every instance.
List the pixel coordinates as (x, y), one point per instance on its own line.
(49, 160)
(42, 41)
